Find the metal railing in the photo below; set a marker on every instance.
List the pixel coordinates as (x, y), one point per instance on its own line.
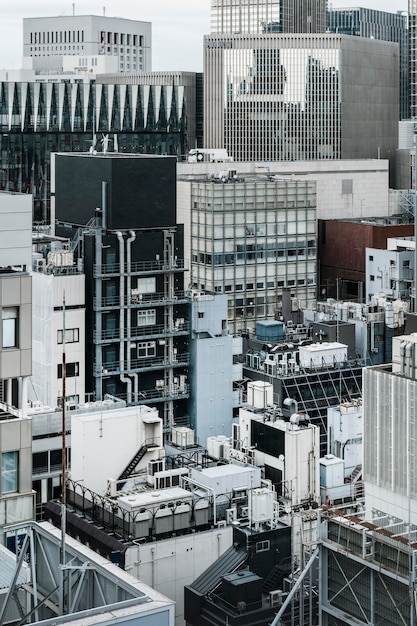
(150, 332)
(137, 300)
(140, 267)
(157, 362)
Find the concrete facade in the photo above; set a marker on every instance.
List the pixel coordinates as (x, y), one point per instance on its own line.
(48, 39)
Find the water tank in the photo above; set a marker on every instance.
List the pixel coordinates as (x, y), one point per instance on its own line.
(260, 394)
(269, 331)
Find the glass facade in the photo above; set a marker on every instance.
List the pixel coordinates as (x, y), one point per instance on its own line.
(287, 99)
(39, 118)
(250, 239)
(245, 16)
(268, 16)
(412, 33)
(300, 97)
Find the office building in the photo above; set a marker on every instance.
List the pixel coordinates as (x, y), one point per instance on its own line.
(368, 556)
(342, 245)
(131, 251)
(345, 189)
(47, 39)
(250, 238)
(412, 32)
(153, 114)
(391, 271)
(245, 16)
(362, 22)
(16, 495)
(251, 17)
(303, 16)
(281, 97)
(58, 304)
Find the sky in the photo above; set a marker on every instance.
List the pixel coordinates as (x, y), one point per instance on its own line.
(178, 26)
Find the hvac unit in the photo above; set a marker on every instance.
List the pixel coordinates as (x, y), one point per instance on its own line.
(40, 265)
(156, 465)
(275, 597)
(231, 516)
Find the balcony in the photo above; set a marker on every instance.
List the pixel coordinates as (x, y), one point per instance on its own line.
(156, 331)
(142, 300)
(146, 364)
(139, 268)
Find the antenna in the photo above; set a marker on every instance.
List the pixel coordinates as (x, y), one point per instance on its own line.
(73, 8)
(104, 11)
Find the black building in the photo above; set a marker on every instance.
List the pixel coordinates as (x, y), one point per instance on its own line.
(239, 588)
(120, 212)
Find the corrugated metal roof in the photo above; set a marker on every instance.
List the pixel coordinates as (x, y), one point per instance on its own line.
(8, 568)
(227, 563)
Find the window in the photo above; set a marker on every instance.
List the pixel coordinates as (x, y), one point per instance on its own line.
(72, 370)
(147, 285)
(200, 314)
(146, 349)
(147, 317)
(372, 277)
(72, 335)
(371, 258)
(10, 317)
(9, 472)
(263, 546)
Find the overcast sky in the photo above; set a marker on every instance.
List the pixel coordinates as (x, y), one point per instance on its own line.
(178, 26)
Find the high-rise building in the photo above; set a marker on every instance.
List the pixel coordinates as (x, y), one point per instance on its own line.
(46, 40)
(250, 238)
(368, 557)
(245, 16)
(303, 16)
(382, 25)
(131, 251)
(151, 113)
(412, 32)
(295, 97)
(251, 17)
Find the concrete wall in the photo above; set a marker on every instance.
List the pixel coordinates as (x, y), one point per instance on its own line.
(170, 564)
(16, 229)
(369, 194)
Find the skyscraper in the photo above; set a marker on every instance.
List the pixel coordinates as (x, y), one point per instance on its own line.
(303, 16)
(245, 16)
(383, 25)
(412, 31)
(294, 97)
(253, 17)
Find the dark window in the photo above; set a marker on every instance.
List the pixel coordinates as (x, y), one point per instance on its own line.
(72, 369)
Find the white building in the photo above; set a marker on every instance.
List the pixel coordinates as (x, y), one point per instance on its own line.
(346, 188)
(391, 271)
(288, 452)
(116, 436)
(390, 423)
(215, 367)
(249, 238)
(48, 39)
(58, 303)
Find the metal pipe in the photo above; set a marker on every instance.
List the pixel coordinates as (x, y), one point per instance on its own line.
(123, 378)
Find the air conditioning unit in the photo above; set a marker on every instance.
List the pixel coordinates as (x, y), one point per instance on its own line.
(231, 516)
(40, 265)
(275, 597)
